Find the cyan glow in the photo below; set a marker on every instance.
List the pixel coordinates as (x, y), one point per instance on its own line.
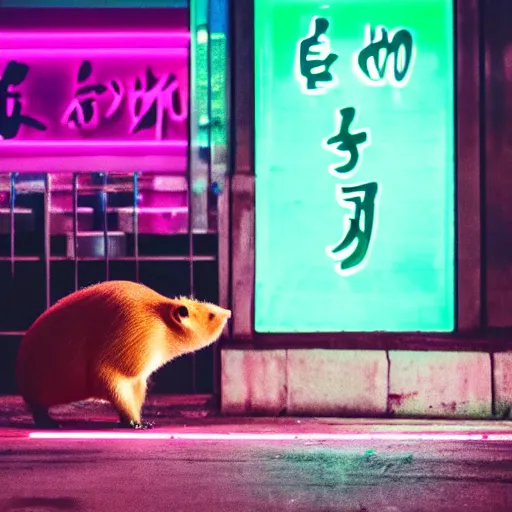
(354, 94)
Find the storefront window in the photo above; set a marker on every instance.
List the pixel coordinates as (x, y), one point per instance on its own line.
(355, 165)
(113, 136)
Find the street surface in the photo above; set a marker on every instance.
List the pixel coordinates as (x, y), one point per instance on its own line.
(203, 473)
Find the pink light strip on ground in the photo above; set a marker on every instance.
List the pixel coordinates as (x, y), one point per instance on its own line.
(88, 40)
(272, 437)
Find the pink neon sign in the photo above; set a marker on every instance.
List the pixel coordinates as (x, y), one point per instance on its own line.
(108, 94)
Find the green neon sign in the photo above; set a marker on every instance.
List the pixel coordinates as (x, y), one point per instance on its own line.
(355, 165)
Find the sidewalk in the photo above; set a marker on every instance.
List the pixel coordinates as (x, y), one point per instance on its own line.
(193, 417)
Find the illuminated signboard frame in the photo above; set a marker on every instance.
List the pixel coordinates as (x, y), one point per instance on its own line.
(468, 231)
(82, 155)
(379, 257)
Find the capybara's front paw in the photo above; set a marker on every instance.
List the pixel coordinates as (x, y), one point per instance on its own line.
(142, 425)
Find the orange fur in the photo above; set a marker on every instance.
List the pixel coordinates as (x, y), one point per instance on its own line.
(105, 341)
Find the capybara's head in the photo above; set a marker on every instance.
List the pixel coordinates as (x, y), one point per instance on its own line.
(197, 324)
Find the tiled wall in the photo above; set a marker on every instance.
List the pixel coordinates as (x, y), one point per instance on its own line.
(366, 383)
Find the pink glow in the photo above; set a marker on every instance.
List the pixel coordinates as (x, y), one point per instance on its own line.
(165, 160)
(115, 143)
(88, 40)
(121, 56)
(272, 437)
(99, 147)
(55, 53)
(124, 144)
(94, 435)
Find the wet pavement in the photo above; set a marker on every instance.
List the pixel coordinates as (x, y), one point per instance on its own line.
(207, 463)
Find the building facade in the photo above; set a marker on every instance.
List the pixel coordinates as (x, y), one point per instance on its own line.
(372, 173)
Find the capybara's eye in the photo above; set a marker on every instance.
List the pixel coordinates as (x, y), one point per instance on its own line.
(182, 311)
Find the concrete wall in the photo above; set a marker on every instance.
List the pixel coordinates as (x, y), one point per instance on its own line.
(366, 383)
